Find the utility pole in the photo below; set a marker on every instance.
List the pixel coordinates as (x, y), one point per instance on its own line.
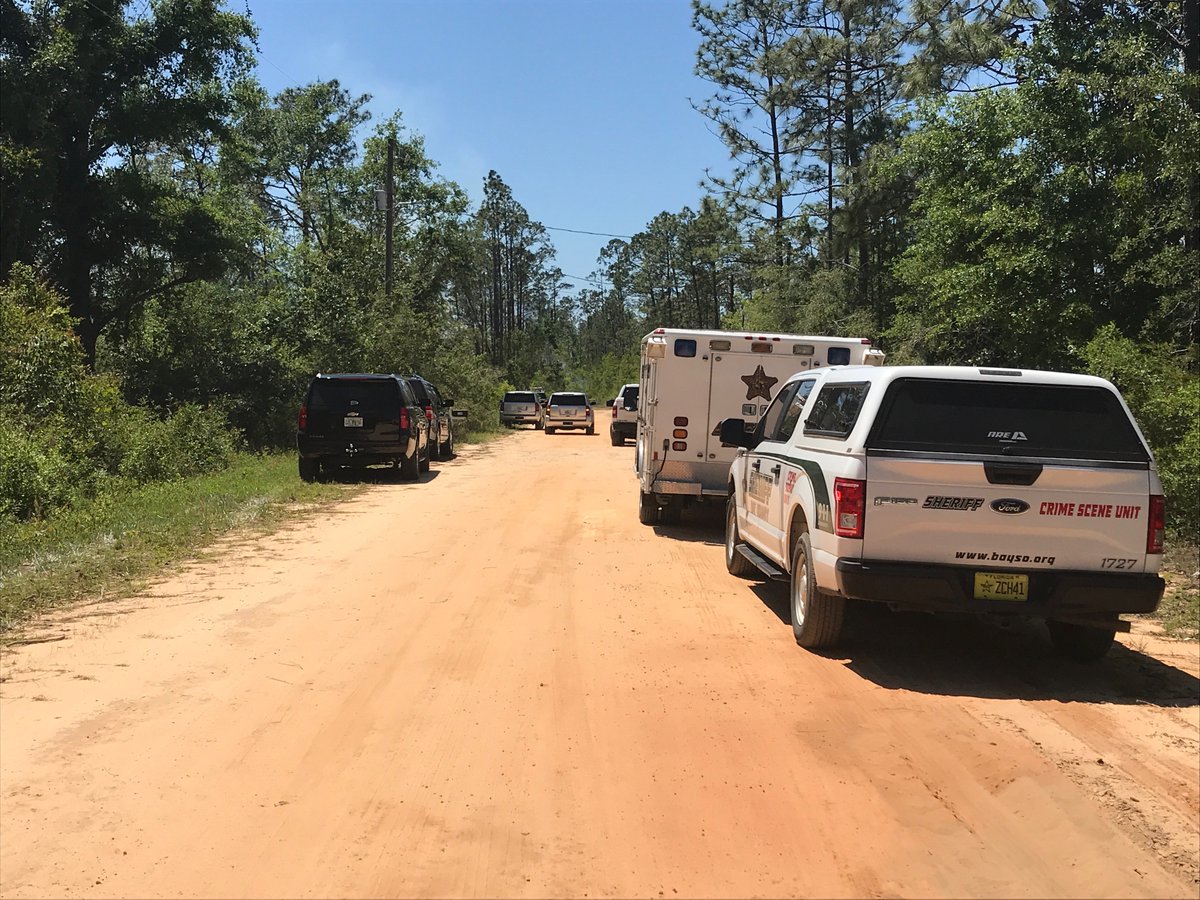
(391, 220)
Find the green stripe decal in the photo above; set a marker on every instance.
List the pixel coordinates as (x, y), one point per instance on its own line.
(816, 476)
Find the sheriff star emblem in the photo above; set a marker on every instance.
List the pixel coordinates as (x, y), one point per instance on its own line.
(759, 384)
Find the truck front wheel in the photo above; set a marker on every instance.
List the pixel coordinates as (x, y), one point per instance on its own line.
(817, 617)
(735, 563)
(1080, 642)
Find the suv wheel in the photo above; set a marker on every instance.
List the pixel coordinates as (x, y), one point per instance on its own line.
(591, 429)
(447, 451)
(309, 469)
(423, 461)
(410, 467)
(817, 617)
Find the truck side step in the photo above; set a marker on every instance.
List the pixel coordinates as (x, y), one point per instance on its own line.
(760, 562)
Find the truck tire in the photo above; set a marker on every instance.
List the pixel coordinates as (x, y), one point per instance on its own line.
(736, 563)
(617, 440)
(647, 509)
(1080, 642)
(423, 463)
(549, 430)
(410, 467)
(309, 469)
(446, 451)
(817, 617)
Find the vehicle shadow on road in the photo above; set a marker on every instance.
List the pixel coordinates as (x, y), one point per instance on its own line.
(377, 475)
(968, 657)
(703, 524)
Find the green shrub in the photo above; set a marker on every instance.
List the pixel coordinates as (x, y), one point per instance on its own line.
(34, 479)
(1165, 398)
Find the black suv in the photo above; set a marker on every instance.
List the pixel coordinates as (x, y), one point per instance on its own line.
(437, 413)
(360, 420)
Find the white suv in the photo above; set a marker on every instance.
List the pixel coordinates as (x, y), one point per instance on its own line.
(1002, 492)
(624, 415)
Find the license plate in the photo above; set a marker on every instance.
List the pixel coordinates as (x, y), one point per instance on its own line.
(352, 421)
(1001, 586)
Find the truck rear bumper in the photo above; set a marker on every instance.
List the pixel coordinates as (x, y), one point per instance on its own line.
(951, 589)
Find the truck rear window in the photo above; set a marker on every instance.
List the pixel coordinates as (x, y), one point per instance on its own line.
(1056, 421)
(518, 397)
(367, 396)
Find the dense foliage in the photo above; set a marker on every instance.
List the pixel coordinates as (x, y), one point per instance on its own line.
(968, 181)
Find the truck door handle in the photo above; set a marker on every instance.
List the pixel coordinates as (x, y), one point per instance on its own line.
(755, 465)
(775, 471)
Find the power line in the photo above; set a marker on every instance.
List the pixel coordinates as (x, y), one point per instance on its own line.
(627, 237)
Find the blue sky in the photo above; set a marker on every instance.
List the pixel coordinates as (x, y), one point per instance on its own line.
(581, 106)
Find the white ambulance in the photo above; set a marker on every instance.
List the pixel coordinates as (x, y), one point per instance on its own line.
(691, 381)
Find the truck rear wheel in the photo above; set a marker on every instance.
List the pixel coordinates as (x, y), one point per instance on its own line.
(1080, 642)
(647, 509)
(817, 617)
(736, 563)
(617, 440)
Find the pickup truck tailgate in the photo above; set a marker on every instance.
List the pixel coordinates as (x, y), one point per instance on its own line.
(947, 511)
(1007, 472)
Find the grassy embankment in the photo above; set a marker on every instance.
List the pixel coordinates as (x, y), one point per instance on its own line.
(113, 544)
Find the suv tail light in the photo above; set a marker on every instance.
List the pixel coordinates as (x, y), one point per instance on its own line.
(849, 505)
(429, 412)
(404, 423)
(1156, 523)
(302, 418)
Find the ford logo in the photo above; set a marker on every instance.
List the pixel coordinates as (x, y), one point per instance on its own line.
(1010, 506)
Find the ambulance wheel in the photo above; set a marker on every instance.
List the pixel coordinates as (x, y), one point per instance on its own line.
(647, 509)
(736, 563)
(1080, 642)
(817, 617)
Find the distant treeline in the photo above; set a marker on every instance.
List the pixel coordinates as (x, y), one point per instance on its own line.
(1002, 182)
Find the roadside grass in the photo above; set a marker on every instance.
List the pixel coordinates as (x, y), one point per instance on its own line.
(1179, 611)
(111, 545)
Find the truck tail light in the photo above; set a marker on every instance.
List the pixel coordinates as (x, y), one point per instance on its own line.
(849, 504)
(404, 423)
(302, 418)
(614, 410)
(1156, 523)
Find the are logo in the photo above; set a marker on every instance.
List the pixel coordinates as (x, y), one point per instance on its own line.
(1008, 437)
(1010, 506)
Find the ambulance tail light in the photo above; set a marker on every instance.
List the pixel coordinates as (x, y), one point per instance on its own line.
(679, 445)
(1156, 523)
(849, 503)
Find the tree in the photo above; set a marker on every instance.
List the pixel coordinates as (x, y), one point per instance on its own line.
(90, 94)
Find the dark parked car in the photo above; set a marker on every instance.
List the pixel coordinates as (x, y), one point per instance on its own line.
(360, 420)
(437, 413)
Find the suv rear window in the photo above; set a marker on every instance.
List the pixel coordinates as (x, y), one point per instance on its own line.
(568, 400)
(366, 395)
(1057, 421)
(518, 397)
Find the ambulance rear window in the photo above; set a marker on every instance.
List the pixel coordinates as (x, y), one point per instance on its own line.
(839, 356)
(685, 347)
(1056, 421)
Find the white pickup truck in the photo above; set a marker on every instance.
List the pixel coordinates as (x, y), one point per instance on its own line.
(1000, 492)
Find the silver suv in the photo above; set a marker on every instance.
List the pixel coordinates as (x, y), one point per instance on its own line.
(569, 409)
(522, 408)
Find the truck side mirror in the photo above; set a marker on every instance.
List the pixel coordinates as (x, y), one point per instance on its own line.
(734, 433)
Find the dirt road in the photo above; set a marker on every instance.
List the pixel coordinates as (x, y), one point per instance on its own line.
(497, 683)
